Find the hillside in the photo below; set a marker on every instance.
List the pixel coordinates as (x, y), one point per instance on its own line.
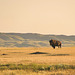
(33, 40)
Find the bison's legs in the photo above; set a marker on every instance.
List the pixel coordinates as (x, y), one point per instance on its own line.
(53, 46)
(60, 45)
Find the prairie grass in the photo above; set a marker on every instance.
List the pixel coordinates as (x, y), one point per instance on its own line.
(37, 61)
(43, 55)
(35, 67)
(24, 72)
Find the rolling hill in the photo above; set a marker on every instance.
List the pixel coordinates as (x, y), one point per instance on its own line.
(33, 40)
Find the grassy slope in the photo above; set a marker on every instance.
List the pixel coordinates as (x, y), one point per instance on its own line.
(33, 40)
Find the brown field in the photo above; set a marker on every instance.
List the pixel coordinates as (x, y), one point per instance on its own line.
(44, 55)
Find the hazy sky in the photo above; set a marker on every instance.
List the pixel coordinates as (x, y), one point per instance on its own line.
(38, 16)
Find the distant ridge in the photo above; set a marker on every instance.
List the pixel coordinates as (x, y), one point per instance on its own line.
(33, 40)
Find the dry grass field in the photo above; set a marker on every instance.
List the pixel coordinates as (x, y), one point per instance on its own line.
(22, 72)
(65, 55)
(43, 55)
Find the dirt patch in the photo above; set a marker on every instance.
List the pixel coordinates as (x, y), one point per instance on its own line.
(4, 54)
(39, 53)
(58, 54)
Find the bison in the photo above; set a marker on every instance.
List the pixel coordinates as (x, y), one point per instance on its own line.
(54, 43)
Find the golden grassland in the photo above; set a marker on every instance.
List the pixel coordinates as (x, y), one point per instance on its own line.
(37, 55)
(65, 55)
(23, 72)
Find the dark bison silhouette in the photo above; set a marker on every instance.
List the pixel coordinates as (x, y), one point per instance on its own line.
(54, 43)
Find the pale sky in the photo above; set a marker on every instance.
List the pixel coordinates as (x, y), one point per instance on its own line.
(38, 16)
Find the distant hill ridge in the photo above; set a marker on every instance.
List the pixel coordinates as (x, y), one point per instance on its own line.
(33, 40)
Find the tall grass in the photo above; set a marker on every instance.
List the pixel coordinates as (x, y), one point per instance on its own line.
(35, 67)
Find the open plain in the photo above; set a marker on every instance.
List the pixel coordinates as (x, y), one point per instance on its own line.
(38, 55)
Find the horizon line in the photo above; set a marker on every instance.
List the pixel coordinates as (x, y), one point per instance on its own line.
(38, 33)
